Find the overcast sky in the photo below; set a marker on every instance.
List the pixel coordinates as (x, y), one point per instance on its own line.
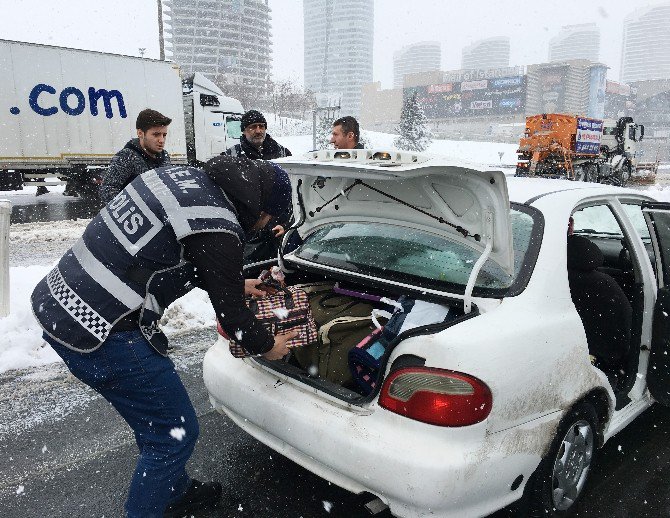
(124, 26)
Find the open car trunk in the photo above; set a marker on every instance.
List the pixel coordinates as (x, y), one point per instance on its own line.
(391, 225)
(343, 312)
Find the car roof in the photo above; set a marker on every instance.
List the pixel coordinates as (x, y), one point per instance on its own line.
(528, 190)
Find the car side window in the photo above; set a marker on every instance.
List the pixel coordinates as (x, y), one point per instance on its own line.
(634, 213)
(596, 220)
(636, 217)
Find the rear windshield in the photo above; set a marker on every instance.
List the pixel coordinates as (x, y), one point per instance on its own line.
(421, 258)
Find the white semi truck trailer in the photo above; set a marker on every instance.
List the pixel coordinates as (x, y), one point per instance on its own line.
(64, 113)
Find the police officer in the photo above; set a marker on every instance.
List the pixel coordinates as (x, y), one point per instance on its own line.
(169, 230)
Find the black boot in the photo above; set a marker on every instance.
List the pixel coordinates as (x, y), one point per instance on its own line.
(199, 495)
(41, 189)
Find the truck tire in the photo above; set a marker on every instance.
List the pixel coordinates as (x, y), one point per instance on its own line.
(11, 180)
(622, 176)
(586, 173)
(561, 476)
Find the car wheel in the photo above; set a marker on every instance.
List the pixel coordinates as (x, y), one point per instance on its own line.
(561, 476)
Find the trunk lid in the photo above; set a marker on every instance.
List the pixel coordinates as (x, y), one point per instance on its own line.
(462, 202)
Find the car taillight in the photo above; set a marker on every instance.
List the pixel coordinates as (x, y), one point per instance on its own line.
(436, 396)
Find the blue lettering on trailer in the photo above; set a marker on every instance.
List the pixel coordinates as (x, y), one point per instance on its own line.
(34, 96)
(40, 106)
(107, 95)
(81, 101)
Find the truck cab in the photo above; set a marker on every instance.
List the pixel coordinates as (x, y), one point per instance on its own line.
(621, 137)
(212, 120)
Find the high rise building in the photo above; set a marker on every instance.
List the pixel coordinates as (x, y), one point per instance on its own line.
(575, 42)
(646, 44)
(487, 53)
(226, 40)
(575, 86)
(424, 56)
(338, 50)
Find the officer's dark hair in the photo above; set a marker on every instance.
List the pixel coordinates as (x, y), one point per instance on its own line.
(150, 118)
(348, 124)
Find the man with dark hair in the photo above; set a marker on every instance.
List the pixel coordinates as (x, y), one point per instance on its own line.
(170, 230)
(255, 143)
(139, 155)
(346, 133)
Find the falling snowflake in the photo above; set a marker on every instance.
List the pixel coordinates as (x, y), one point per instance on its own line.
(281, 313)
(19, 490)
(327, 505)
(178, 433)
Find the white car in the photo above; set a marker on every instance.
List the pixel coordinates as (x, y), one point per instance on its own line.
(507, 402)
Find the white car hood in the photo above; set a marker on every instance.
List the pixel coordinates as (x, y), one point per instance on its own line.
(465, 197)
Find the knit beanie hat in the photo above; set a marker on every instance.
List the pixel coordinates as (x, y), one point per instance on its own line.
(252, 117)
(280, 196)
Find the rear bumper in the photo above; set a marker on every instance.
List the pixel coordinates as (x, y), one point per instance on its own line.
(415, 468)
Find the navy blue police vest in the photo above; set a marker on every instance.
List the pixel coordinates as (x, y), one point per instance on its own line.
(130, 257)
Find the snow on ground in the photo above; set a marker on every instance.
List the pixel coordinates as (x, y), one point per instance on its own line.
(32, 190)
(35, 247)
(42, 243)
(22, 345)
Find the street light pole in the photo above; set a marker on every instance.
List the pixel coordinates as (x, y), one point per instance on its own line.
(161, 41)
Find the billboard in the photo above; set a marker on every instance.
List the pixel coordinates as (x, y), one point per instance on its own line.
(597, 88)
(486, 73)
(552, 82)
(494, 96)
(589, 133)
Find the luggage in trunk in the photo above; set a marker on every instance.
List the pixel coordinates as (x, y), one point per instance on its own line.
(343, 321)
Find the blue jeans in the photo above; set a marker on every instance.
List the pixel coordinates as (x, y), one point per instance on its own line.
(145, 389)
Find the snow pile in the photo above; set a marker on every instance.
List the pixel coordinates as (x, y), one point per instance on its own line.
(192, 311)
(22, 345)
(285, 126)
(66, 231)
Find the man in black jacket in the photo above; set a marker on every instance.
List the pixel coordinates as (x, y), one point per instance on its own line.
(139, 155)
(170, 230)
(255, 143)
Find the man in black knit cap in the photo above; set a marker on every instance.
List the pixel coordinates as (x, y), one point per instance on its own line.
(255, 143)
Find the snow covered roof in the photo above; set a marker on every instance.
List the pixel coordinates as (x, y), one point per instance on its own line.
(521, 190)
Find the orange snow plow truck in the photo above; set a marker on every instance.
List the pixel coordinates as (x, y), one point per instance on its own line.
(579, 148)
